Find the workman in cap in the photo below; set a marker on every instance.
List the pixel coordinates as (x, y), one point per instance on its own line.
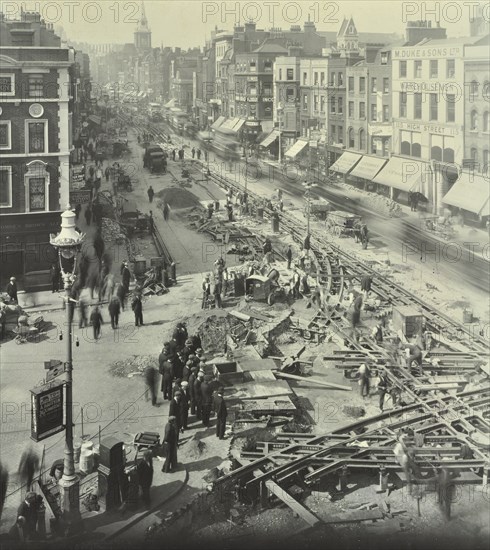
(170, 443)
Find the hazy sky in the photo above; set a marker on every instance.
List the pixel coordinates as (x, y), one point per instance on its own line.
(188, 23)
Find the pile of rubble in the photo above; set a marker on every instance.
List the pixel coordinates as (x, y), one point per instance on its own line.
(378, 203)
(133, 365)
(112, 232)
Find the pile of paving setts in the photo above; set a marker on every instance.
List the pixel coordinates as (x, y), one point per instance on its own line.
(112, 232)
(378, 203)
(133, 365)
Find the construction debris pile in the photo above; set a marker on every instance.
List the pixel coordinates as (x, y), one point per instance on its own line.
(133, 366)
(112, 232)
(378, 203)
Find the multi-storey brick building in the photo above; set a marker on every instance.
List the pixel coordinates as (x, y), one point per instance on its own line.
(36, 95)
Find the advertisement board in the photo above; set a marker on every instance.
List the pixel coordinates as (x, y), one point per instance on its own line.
(47, 410)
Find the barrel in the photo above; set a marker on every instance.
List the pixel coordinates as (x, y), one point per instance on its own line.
(87, 457)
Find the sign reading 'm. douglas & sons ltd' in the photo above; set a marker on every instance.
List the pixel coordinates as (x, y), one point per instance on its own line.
(47, 411)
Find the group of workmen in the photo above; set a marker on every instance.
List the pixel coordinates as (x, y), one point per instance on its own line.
(188, 387)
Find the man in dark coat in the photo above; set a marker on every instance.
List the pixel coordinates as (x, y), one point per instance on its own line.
(289, 256)
(221, 414)
(126, 276)
(151, 383)
(191, 381)
(184, 404)
(99, 245)
(25, 526)
(151, 194)
(114, 311)
(174, 409)
(180, 335)
(121, 294)
(198, 395)
(145, 475)
(96, 321)
(137, 307)
(88, 214)
(166, 370)
(55, 276)
(28, 465)
(12, 289)
(178, 365)
(171, 442)
(207, 401)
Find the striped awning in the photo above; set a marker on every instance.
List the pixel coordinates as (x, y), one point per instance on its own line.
(238, 125)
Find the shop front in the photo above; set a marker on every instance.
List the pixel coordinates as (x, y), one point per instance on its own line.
(365, 171)
(470, 196)
(25, 250)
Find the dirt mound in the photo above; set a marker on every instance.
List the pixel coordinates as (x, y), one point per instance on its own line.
(356, 412)
(134, 365)
(195, 448)
(177, 197)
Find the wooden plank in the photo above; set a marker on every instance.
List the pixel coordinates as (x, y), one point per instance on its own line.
(292, 503)
(329, 385)
(248, 365)
(356, 517)
(239, 315)
(257, 390)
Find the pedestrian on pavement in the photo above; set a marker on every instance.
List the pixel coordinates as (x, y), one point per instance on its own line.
(173, 154)
(174, 409)
(198, 394)
(28, 465)
(193, 152)
(114, 311)
(184, 404)
(166, 211)
(126, 276)
(207, 401)
(99, 244)
(170, 442)
(96, 321)
(78, 209)
(88, 214)
(166, 370)
(137, 307)
(221, 414)
(82, 312)
(12, 289)
(151, 194)
(364, 374)
(198, 154)
(289, 256)
(122, 294)
(145, 475)
(55, 276)
(151, 376)
(181, 153)
(192, 396)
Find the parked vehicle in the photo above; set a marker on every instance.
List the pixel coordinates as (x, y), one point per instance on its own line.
(153, 158)
(132, 219)
(341, 223)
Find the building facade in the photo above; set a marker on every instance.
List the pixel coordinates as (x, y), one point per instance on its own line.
(36, 93)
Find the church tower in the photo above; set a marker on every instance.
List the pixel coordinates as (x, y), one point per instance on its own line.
(347, 37)
(142, 34)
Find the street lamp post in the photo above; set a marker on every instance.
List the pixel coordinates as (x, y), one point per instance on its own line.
(68, 243)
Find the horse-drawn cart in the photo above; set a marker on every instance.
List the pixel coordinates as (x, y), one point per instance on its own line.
(342, 224)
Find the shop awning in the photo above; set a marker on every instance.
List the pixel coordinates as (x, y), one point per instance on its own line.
(368, 167)
(269, 140)
(228, 125)
(95, 119)
(405, 174)
(218, 122)
(345, 162)
(171, 103)
(267, 125)
(238, 125)
(295, 149)
(471, 193)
